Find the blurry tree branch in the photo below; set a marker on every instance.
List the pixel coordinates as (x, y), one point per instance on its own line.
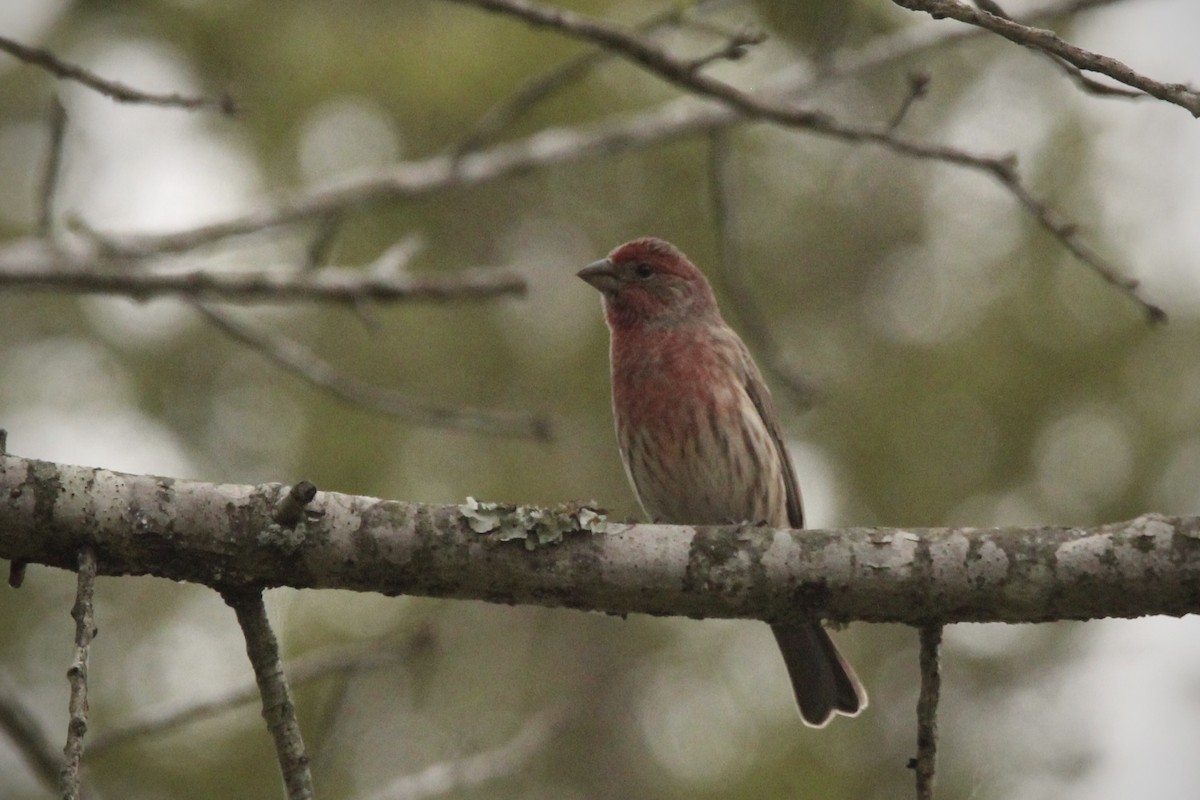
(329, 284)
(688, 76)
(225, 535)
(115, 90)
(316, 666)
(1047, 41)
(299, 360)
(673, 120)
(469, 771)
(540, 87)
(48, 185)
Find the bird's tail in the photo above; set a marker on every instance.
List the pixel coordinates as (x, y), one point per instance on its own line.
(824, 683)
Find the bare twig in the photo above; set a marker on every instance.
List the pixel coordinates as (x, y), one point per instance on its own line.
(415, 179)
(925, 764)
(309, 668)
(1084, 82)
(673, 120)
(1048, 41)
(680, 73)
(279, 710)
(464, 773)
(77, 675)
(43, 58)
(332, 284)
(732, 276)
(299, 360)
(918, 87)
(49, 183)
(1067, 234)
(290, 510)
(539, 88)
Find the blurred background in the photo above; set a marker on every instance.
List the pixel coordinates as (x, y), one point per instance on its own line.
(968, 371)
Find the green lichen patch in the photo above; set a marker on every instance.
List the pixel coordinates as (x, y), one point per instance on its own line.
(538, 527)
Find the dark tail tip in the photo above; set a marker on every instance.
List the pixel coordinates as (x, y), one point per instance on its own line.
(824, 683)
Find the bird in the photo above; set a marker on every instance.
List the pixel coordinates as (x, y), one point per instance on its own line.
(700, 437)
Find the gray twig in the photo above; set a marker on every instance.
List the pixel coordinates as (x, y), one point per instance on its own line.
(925, 764)
(304, 363)
(77, 675)
(115, 90)
(464, 773)
(48, 187)
(279, 710)
(756, 106)
(309, 668)
(332, 284)
(1050, 42)
(540, 87)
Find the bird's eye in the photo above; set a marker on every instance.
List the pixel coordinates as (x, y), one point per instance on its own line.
(643, 270)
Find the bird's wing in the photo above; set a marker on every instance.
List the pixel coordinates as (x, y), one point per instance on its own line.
(760, 395)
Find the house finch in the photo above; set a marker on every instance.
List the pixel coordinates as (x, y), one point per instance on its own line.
(700, 436)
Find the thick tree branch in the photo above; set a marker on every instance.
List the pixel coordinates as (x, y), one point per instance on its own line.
(224, 535)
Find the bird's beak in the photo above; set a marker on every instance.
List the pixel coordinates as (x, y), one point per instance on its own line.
(601, 274)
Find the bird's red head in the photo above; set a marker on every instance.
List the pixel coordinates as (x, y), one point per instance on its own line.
(650, 282)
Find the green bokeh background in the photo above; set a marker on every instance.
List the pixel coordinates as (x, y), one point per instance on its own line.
(969, 372)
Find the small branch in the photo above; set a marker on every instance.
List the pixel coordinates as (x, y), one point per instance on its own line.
(304, 363)
(279, 710)
(48, 187)
(918, 87)
(415, 179)
(338, 285)
(1067, 234)
(310, 668)
(681, 74)
(1074, 73)
(671, 121)
(1048, 41)
(732, 276)
(77, 675)
(538, 89)
(925, 764)
(466, 773)
(114, 90)
(290, 510)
